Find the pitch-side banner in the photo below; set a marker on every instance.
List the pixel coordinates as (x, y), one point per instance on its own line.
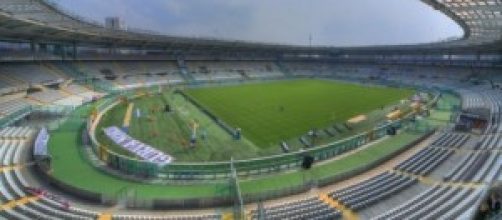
(142, 150)
(40, 148)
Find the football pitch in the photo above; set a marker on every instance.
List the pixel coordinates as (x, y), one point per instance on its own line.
(271, 112)
(170, 132)
(68, 159)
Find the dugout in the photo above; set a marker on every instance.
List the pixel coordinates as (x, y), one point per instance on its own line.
(470, 122)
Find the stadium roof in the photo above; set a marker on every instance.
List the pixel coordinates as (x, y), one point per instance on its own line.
(40, 20)
(480, 19)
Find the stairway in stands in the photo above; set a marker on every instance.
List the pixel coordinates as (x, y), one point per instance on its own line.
(11, 81)
(284, 70)
(75, 73)
(53, 70)
(72, 71)
(184, 70)
(244, 75)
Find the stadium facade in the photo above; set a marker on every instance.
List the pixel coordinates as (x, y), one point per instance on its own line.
(45, 47)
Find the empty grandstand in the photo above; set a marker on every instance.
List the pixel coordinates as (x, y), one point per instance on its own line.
(100, 123)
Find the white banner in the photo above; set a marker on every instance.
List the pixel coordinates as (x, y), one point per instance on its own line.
(40, 148)
(144, 151)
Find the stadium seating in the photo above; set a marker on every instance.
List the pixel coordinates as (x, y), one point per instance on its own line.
(445, 201)
(160, 217)
(432, 204)
(311, 208)
(207, 71)
(8, 86)
(373, 190)
(444, 177)
(80, 91)
(14, 146)
(307, 69)
(30, 73)
(425, 161)
(47, 96)
(451, 140)
(4, 85)
(40, 207)
(467, 168)
(451, 157)
(132, 74)
(12, 106)
(425, 76)
(233, 70)
(15, 133)
(72, 100)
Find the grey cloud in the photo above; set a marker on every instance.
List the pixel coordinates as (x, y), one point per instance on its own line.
(331, 22)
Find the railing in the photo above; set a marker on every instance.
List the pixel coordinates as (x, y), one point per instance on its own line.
(220, 170)
(11, 118)
(54, 109)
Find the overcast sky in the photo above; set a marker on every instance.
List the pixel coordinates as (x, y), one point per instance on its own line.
(330, 22)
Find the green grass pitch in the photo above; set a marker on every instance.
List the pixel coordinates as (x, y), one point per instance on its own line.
(70, 166)
(170, 132)
(270, 112)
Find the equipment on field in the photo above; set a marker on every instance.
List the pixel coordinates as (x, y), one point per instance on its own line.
(394, 115)
(284, 147)
(237, 134)
(304, 141)
(391, 131)
(193, 138)
(313, 136)
(138, 113)
(307, 162)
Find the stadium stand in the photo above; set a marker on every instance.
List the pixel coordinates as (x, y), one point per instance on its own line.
(307, 69)
(19, 199)
(434, 203)
(79, 90)
(423, 162)
(36, 206)
(233, 70)
(10, 107)
(311, 208)
(451, 171)
(184, 217)
(372, 190)
(451, 158)
(443, 200)
(32, 74)
(132, 74)
(47, 96)
(208, 71)
(4, 85)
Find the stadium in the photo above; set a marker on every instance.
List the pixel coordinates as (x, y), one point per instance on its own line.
(98, 122)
